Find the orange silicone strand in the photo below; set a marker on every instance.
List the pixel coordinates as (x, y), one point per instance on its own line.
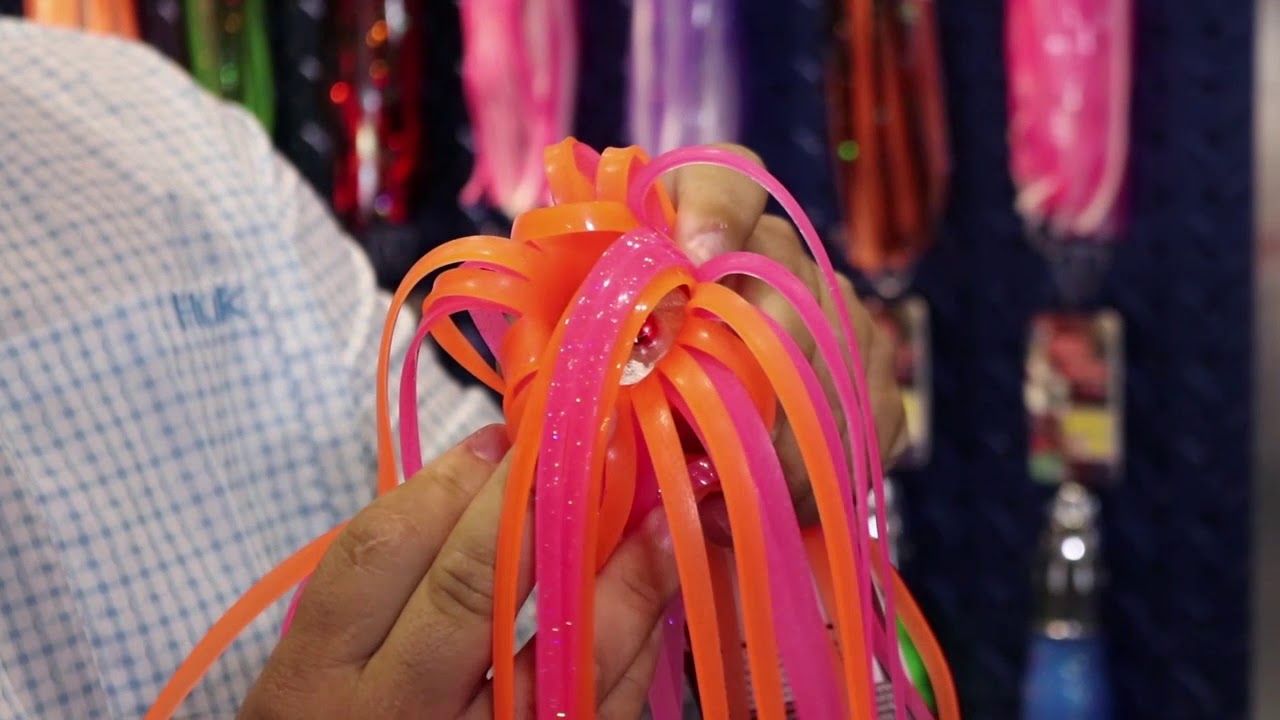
(481, 248)
(565, 179)
(926, 643)
(273, 586)
(726, 602)
(725, 449)
(713, 339)
(619, 483)
(523, 345)
(759, 337)
(681, 508)
(505, 290)
(515, 508)
(613, 179)
(549, 223)
(817, 554)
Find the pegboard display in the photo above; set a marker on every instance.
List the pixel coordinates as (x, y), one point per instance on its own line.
(1177, 527)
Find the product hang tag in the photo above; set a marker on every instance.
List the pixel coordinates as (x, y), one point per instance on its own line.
(1073, 391)
(904, 321)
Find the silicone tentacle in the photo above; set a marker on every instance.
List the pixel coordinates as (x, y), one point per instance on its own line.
(410, 438)
(619, 483)
(817, 553)
(273, 586)
(658, 427)
(713, 339)
(770, 349)
(570, 167)
(477, 249)
(930, 652)
(506, 292)
(743, 505)
(716, 156)
(726, 600)
(810, 312)
(806, 647)
(600, 339)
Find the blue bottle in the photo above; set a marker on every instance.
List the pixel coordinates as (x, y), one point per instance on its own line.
(1066, 675)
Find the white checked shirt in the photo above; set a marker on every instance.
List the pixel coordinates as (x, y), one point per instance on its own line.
(187, 355)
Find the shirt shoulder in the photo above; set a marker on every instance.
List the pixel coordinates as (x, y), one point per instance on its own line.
(118, 173)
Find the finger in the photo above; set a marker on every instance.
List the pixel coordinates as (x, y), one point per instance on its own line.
(436, 656)
(364, 581)
(776, 239)
(627, 699)
(632, 592)
(884, 401)
(716, 208)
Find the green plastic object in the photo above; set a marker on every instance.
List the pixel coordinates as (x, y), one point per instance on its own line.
(230, 54)
(915, 668)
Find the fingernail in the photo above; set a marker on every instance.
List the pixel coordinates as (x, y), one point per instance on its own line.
(702, 246)
(489, 443)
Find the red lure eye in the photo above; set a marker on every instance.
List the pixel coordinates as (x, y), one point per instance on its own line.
(655, 337)
(648, 334)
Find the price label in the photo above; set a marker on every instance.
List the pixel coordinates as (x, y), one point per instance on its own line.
(1073, 390)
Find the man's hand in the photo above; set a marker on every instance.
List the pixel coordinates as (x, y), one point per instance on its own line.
(396, 622)
(718, 211)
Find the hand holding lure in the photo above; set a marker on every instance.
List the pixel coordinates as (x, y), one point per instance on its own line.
(607, 338)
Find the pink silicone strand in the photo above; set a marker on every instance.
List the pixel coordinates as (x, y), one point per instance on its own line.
(806, 306)
(293, 606)
(573, 419)
(410, 439)
(490, 324)
(640, 189)
(802, 632)
(666, 692)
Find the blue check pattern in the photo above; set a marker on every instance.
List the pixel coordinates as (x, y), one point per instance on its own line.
(187, 347)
